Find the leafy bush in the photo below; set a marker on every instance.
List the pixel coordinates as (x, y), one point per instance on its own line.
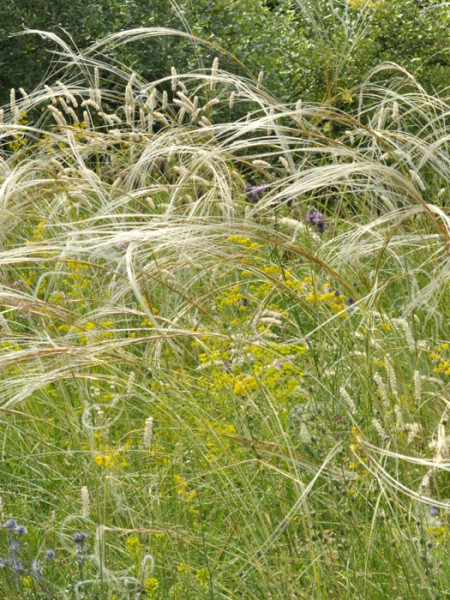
(307, 48)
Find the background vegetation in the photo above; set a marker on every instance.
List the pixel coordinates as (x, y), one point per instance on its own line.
(307, 48)
(224, 355)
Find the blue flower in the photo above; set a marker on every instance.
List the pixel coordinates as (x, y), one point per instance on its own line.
(21, 530)
(10, 524)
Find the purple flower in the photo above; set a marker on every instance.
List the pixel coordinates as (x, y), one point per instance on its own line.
(21, 530)
(254, 192)
(10, 524)
(316, 219)
(79, 537)
(433, 511)
(314, 216)
(122, 245)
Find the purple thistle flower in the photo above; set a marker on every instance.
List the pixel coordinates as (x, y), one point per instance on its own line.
(254, 192)
(316, 218)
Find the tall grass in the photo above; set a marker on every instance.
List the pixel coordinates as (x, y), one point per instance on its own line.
(232, 396)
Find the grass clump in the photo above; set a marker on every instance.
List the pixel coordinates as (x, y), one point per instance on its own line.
(224, 357)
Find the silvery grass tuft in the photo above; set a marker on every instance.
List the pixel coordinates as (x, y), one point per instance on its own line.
(269, 282)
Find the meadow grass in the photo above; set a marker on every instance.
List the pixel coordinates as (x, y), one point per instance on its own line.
(224, 339)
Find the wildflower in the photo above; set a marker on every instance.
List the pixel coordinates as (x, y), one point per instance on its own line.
(80, 538)
(50, 554)
(254, 192)
(316, 219)
(202, 576)
(21, 530)
(151, 585)
(133, 545)
(244, 302)
(10, 524)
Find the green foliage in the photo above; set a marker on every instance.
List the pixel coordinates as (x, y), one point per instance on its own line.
(307, 48)
(346, 39)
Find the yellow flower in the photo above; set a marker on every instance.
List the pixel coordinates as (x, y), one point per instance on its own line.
(244, 386)
(181, 487)
(133, 545)
(202, 576)
(111, 459)
(151, 586)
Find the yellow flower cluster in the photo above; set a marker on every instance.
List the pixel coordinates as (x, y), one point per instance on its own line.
(441, 357)
(244, 385)
(111, 458)
(86, 331)
(243, 241)
(231, 297)
(439, 532)
(19, 139)
(151, 586)
(181, 487)
(133, 545)
(324, 296)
